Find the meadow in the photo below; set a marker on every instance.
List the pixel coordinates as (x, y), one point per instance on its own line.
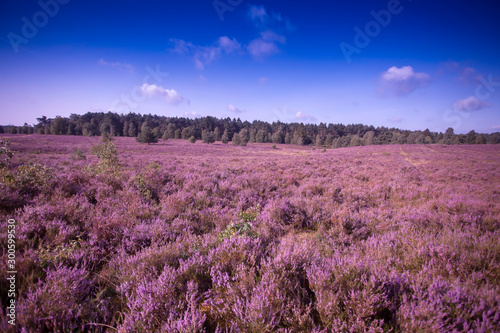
(182, 237)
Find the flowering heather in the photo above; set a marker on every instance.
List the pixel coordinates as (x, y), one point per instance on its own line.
(182, 237)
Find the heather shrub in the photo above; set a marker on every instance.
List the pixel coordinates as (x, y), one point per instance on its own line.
(288, 214)
(444, 306)
(215, 238)
(352, 295)
(190, 318)
(62, 302)
(234, 252)
(141, 236)
(74, 183)
(10, 198)
(171, 300)
(261, 295)
(242, 303)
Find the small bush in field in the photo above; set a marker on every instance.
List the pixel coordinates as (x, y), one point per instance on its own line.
(5, 153)
(243, 228)
(108, 157)
(32, 177)
(143, 186)
(274, 147)
(250, 214)
(192, 139)
(78, 155)
(240, 229)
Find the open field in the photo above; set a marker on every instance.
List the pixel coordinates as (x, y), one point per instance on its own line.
(181, 237)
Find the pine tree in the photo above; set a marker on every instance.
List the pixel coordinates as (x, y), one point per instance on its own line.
(319, 141)
(217, 134)
(165, 136)
(225, 137)
(208, 137)
(244, 137)
(132, 130)
(146, 135)
(236, 139)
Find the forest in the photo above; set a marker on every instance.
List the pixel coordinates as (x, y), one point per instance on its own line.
(240, 132)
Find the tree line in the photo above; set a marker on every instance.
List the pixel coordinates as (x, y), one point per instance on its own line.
(149, 128)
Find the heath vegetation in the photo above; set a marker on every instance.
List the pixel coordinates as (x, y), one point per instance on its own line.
(175, 236)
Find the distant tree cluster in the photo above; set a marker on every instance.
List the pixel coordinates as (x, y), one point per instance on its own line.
(150, 128)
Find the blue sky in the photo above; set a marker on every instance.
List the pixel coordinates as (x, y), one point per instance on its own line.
(407, 64)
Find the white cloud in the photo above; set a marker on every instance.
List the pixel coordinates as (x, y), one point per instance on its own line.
(170, 95)
(271, 28)
(258, 14)
(234, 109)
(465, 74)
(266, 45)
(119, 65)
(304, 117)
(402, 81)
(470, 104)
(180, 46)
(228, 45)
(269, 42)
(204, 55)
(396, 120)
(468, 75)
(191, 114)
(398, 74)
(263, 20)
(495, 127)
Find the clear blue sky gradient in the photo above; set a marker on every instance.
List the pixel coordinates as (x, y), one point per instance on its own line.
(423, 64)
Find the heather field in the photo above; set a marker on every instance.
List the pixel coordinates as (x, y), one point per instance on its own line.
(182, 237)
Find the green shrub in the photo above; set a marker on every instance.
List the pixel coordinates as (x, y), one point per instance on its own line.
(32, 176)
(146, 135)
(250, 214)
(143, 187)
(240, 229)
(108, 157)
(5, 153)
(243, 228)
